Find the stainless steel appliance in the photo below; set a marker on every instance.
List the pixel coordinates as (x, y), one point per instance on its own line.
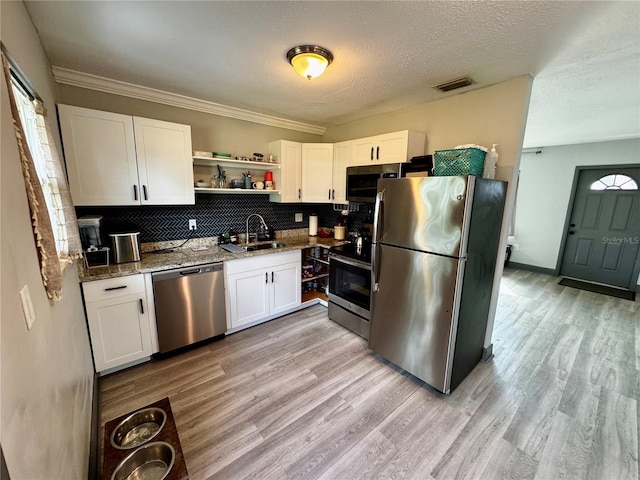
(90, 227)
(350, 287)
(362, 181)
(190, 305)
(433, 261)
(125, 247)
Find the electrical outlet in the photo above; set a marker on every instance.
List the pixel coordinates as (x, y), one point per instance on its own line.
(298, 217)
(192, 224)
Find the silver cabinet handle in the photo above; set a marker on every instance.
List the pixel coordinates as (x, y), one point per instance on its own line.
(329, 194)
(141, 307)
(299, 193)
(372, 154)
(333, 194)
(266, 277)
(377, 153)
(135, 192)
(271, 277)
(144, 189)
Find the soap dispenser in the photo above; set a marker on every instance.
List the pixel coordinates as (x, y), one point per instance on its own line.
(490, 162)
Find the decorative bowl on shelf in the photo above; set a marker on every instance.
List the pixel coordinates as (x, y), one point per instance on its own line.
(203, 184)
(219, 154)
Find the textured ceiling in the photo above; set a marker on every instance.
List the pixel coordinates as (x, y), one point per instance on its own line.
(585, 56)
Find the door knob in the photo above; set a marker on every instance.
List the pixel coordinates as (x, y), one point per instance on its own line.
(571, 232)
(572, 225)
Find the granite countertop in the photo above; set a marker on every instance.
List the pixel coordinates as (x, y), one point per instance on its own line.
(187, 257)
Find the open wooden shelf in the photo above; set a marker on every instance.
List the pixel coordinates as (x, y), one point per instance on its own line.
(313, 295)
(230, 162)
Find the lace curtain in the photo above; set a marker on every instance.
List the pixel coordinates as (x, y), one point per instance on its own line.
(53, 217)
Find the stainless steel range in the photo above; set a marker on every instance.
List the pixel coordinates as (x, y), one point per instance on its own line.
(350, 287)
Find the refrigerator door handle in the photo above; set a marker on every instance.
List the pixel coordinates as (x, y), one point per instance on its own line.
(377, 215)
(374, 268)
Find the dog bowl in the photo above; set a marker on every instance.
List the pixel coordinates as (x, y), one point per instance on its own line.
(138, 428)
(153, 461)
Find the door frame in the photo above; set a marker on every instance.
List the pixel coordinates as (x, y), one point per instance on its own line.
(634, 287)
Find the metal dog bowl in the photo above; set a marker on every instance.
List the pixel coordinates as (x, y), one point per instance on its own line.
(138, 428)
(149, 462)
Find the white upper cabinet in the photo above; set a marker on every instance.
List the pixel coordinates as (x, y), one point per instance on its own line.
(305, 173)
(317, 172)
(288, 179)
(393, 147)
(115, 159)
(165, 165)
(342, 158)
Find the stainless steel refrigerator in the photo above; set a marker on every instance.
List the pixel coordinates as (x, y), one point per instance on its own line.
(433, 261)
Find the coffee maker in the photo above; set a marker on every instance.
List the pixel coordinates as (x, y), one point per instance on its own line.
(90, 228)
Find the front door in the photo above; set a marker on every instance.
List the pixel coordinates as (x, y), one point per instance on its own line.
(604, 231)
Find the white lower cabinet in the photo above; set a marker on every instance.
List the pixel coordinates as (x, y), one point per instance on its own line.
(261, 288)
(118, 317)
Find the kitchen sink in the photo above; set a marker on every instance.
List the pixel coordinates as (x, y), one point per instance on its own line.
(263, 246)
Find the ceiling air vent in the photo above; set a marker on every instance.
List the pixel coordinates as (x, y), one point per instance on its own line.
(454, 84)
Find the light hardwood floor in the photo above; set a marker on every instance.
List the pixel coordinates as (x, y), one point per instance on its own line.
(302, 398)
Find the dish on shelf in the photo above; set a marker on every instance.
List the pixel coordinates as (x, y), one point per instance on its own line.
(219, 154)
(203, 184)
(198, 153)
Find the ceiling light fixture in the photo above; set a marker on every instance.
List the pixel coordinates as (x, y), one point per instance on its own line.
(310, 61)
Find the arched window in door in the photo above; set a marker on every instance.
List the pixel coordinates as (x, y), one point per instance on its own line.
(614, 182)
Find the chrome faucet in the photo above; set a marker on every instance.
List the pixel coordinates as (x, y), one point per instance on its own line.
(246, 239)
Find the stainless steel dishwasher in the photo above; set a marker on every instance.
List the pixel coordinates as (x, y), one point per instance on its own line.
(190, 305)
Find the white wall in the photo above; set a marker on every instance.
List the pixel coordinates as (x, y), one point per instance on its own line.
(46, 373)
(544, 190)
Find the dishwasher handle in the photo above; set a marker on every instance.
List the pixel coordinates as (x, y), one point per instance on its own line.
(187, 271)
(191, 272)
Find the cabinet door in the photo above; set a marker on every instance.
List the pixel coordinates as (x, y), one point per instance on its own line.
(100, 155)
(247, 294)
(285, 287)
(342, 153)
(363, 151)
(119, 330)
(317, 176)
(392, 147)
(165, 164)
(288, 178)
(400, 146)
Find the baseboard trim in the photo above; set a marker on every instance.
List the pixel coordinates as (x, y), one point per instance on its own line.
(532, 268)
(487, 353)
(94, 463)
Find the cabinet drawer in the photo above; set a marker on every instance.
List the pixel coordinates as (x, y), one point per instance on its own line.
(268, 260)
(113, 287)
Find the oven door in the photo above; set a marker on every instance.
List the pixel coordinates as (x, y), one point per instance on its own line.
(350, 285)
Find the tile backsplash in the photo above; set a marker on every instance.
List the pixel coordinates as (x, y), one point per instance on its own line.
(215, 214)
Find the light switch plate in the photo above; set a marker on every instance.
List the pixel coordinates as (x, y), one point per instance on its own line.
(298, 217)
(27, 307)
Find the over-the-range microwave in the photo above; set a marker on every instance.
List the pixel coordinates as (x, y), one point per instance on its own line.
(362, 182)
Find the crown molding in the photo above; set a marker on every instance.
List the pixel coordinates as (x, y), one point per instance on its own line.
(108, 85)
